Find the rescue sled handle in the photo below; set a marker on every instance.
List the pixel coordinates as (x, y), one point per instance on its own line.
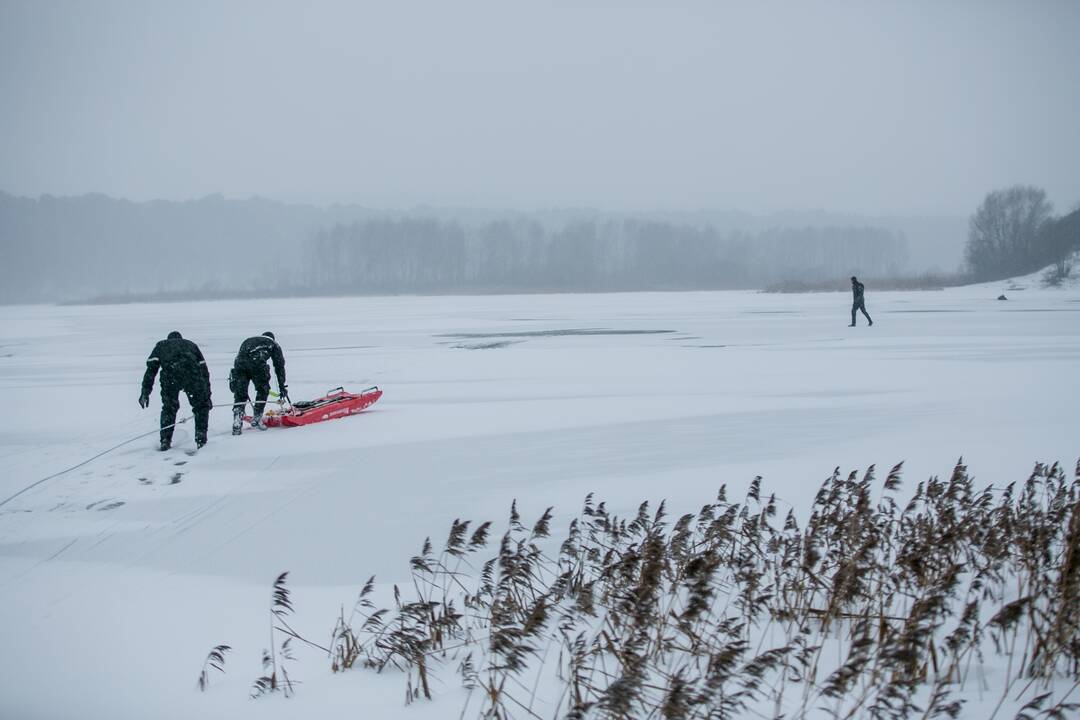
(340, 388)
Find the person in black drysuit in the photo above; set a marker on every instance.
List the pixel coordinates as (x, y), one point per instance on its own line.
(858, 303)
(250, 367)
(182, 368)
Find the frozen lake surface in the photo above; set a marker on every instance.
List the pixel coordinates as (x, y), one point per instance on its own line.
(118, 577)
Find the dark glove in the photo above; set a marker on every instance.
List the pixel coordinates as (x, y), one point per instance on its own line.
(284, 393)
(144, 401)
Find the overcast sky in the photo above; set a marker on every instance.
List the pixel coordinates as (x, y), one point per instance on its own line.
(867, 107)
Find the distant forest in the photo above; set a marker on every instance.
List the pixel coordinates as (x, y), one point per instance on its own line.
(98, 248)
(426, 255)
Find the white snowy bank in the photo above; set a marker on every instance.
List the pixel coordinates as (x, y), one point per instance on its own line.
(117, 578)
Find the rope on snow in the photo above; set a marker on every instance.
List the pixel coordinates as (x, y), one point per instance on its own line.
(33, 485)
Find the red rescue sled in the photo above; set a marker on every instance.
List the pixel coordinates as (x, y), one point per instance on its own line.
(334, 404)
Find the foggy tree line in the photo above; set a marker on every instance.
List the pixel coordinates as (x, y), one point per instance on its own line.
(77, 248)
(425, 254)
(1014, 232)
(96, 247)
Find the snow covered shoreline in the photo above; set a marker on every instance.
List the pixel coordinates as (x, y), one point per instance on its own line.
(119, 577)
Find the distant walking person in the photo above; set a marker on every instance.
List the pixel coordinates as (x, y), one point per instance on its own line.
(250, 367)
(858, 303)
(182, 368)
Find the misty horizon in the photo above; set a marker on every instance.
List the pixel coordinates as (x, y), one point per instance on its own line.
(217, 247)
(645, 211)
(152, 149)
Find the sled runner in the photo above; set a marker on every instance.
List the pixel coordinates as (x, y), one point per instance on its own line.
(334, 404)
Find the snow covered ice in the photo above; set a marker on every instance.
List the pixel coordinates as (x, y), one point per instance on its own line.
(116, 579)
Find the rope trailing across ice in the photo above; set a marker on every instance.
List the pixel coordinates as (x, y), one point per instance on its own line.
(33, 485)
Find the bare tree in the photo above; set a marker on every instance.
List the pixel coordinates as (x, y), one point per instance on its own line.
(1004, 232)
(1061, 238)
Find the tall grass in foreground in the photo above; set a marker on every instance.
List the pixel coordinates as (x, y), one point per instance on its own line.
(866, 609)
(215, 660)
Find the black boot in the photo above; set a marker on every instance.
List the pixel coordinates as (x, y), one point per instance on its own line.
(237, 419)
(164, 445)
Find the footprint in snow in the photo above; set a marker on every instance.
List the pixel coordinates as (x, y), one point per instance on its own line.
(180, 462)
(175, 479)
(110, 506)
(145, 481)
